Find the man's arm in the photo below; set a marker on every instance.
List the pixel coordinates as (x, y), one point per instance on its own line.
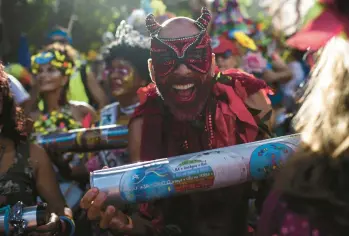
(260, 103)
(280, 73)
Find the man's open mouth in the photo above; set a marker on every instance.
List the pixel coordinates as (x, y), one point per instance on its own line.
(184, 92)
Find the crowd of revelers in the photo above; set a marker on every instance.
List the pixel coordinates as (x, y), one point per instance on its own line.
(182, 86)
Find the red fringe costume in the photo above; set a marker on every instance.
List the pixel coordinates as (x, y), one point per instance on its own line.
(237, 112)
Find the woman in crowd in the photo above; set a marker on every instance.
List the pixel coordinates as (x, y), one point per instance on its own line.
(25, 169)
(126, 70)
(53, 68)
(311, 196)
(83, 85)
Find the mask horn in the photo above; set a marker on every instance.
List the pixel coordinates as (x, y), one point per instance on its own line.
(203, 21)
(152, 25)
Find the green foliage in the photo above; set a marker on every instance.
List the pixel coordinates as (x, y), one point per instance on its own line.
(38, 17)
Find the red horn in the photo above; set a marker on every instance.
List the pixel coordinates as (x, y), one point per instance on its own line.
(152, 25)
(203, 21)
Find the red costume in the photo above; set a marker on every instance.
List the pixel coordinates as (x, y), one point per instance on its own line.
(207, 112)
(227, 120)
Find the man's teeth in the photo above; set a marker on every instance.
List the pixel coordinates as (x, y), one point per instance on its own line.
(182, 87)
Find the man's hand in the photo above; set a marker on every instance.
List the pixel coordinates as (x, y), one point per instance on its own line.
(51, 228)
(111, 218)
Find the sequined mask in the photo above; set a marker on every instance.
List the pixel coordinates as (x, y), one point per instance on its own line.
(193, 51)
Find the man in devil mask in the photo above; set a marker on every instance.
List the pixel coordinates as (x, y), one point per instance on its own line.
(189, 107)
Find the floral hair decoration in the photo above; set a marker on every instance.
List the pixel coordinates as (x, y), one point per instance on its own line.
(194, 51)
(58, 59)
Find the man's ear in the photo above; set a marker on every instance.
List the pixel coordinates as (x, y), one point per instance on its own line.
(213, 65)
(151, 70)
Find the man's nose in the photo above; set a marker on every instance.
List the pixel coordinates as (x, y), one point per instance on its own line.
(182, 69)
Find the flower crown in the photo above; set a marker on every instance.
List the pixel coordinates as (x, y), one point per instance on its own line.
(126, 34)
(58, 59)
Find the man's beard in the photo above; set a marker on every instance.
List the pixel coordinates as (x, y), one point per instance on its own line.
(190, 109)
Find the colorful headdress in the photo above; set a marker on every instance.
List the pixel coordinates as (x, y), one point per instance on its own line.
(125, 33)
(57, 58)
(61, 33)
(194, 51)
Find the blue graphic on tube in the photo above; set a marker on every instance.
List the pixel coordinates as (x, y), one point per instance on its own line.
(147, 183)
(268, 157)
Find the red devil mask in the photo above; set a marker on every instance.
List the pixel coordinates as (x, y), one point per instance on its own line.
(193, 51)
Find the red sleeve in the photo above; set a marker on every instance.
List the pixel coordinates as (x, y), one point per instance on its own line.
(251, 84)
(148, 102)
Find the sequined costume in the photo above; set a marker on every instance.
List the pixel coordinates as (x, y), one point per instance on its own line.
(236, 111)
(227, 119)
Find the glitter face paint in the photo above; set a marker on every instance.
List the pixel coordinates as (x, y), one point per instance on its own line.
(121, 77)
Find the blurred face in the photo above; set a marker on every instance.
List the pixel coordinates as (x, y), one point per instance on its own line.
(122, 78)
(226, 61)
(50, 78)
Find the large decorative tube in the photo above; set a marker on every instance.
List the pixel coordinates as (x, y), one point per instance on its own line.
(206, 170)
(86, 140)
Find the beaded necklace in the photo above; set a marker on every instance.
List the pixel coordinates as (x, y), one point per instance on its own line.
(204, 121)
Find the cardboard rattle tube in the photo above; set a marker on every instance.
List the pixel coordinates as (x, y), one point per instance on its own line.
(86, 140)
(211, 169)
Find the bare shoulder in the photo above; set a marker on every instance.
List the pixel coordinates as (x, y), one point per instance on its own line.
(38, 153)
(38, 156)
(81, 109)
